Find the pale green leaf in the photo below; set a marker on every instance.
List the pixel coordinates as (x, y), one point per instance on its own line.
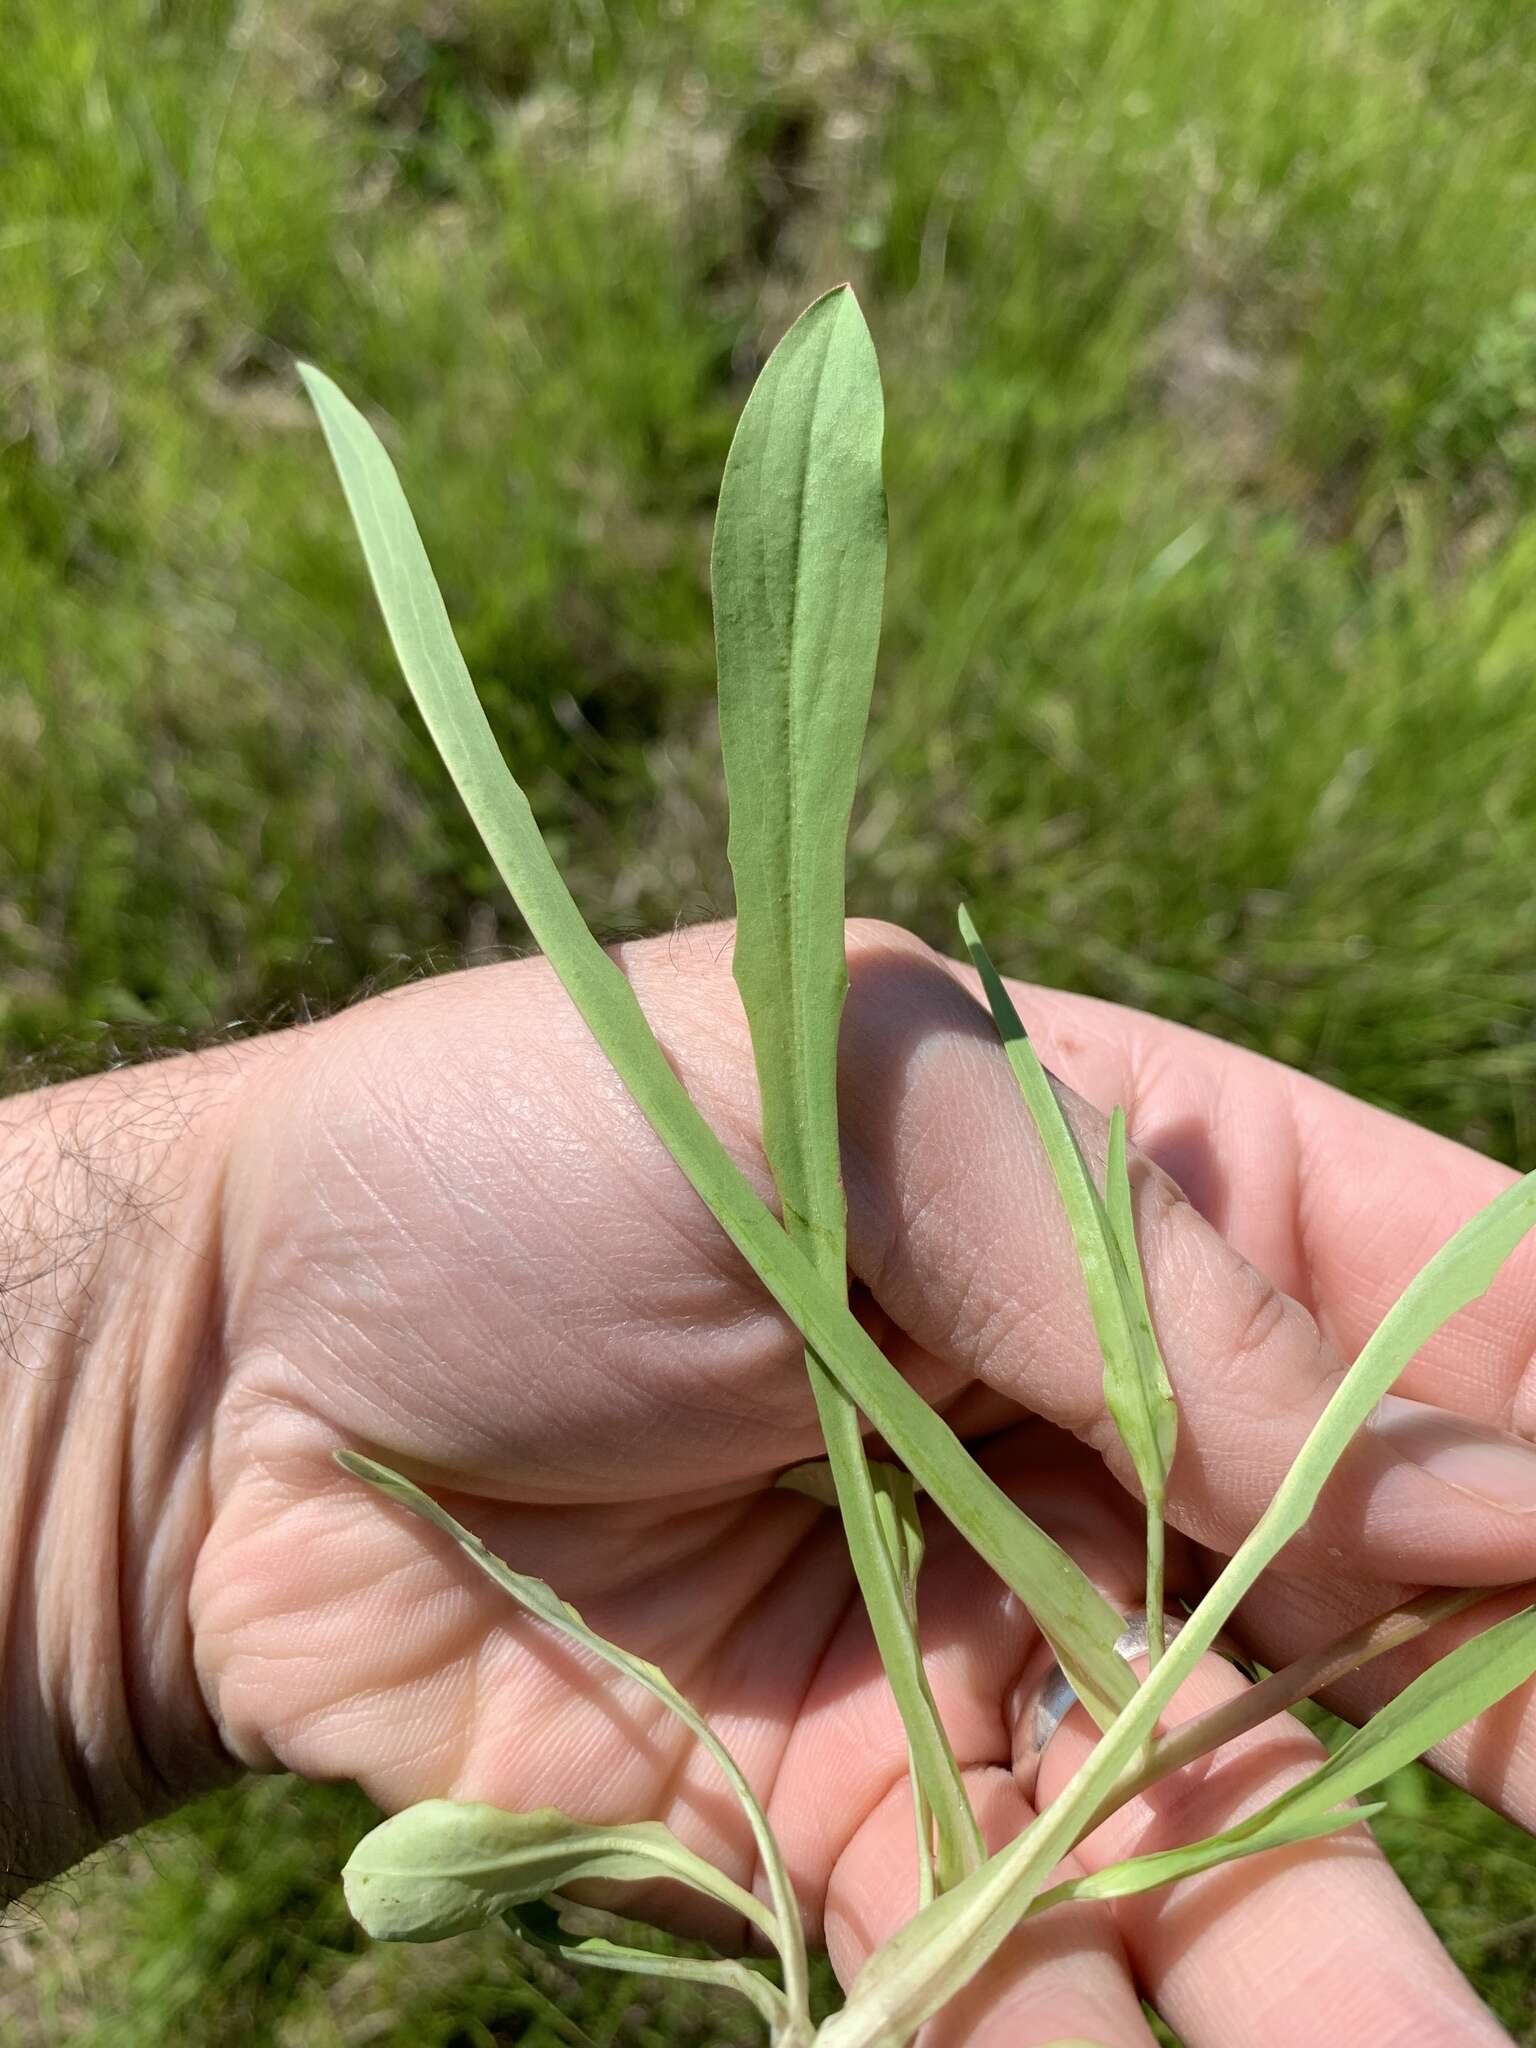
(1143, 1410)
(599, 1954)
(1120, 1215)
(1079, 1622)
(444, 1866)
(1136, 1389)
(541, 1600)
(1454, 1690)
(798, 575)
(600, 1940)
(1167, 1866)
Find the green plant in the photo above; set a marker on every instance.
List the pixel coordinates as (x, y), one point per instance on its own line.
(798, 573)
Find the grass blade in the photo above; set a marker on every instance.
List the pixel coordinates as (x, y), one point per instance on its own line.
(1452, 1692)
(941, 1861)
(1080, 1623)
(1136, 1389)
(798, 575)
(902, 1530)
(1146, 1408)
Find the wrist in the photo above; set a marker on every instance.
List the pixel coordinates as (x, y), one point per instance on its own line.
(109, 1319)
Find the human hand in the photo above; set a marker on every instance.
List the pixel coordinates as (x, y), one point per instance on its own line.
(447, 1238)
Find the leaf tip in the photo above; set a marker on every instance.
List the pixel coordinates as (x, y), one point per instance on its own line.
(356, 1466)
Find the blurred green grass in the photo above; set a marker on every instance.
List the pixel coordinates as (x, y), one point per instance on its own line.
(1210, 344)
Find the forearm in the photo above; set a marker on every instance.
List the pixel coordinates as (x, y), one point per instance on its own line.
(109, 1313)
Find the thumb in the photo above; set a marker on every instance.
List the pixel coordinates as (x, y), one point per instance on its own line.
(956, 1229)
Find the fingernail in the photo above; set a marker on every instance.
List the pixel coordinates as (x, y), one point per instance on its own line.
(1489, 1465)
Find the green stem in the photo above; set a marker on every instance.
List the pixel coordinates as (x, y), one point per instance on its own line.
(877, 1567)
(1156, 1624)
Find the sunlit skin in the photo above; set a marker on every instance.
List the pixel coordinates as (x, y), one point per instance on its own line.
(448, 1238)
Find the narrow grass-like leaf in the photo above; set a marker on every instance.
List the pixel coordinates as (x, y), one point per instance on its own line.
(1073, 1614)
(445, 1866)
(916, 1972)
(1453, 1691)
(798, 578)
(1136, 1389)
(941, 1861)
(902, 1527)
(1152, 1413)
(1167, 1866)
(1120, 1216)
(1304, 1678)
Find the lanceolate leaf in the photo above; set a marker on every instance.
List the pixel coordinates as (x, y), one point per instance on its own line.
(443, 1867)
(798, 578)
(1154, 1392)
(798, 581)
(1080, 1623)
(1142, 1407)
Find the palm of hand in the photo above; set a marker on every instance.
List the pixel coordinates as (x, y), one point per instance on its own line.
(452, 1242)
(486, 1271)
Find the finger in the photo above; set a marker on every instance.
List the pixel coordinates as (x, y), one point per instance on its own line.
(1494, 1757)
(1314, 1943)
(1062, 1978)
(957, 1229)
(1339, 1203)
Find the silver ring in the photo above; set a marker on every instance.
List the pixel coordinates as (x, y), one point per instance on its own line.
(1056, 1697)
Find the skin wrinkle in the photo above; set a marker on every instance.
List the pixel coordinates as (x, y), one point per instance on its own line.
(663, 1215)
(755, 1879)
